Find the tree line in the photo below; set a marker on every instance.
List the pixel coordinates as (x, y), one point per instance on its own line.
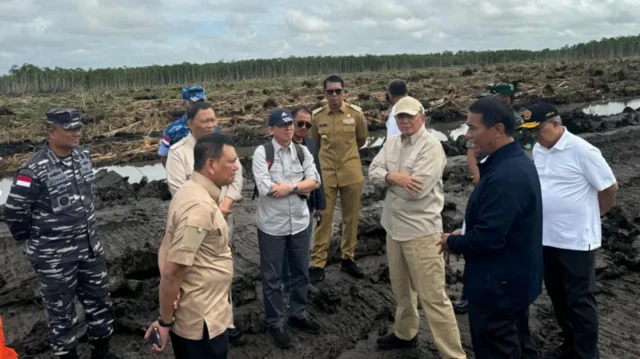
(30, 78)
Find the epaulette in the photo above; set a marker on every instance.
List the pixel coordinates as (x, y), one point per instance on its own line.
(357, 108)
(317, 110)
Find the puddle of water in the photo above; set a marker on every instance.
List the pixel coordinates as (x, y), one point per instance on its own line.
(611, 108)
(5, 185)
(442, 131)
(155, 171)
(135, 172)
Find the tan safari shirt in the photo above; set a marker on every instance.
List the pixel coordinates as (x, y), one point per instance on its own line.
(337, 134)
(180, 165)
(197, 237)
(404, 216)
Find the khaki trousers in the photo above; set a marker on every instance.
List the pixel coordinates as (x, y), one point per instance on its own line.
(350, 203)
(416, 269)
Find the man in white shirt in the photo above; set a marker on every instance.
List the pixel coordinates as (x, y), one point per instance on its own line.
(578, 187)
(397, 89)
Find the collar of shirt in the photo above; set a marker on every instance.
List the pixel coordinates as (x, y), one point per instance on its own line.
(277, 147)
(303, 142)
(343, 108)
(501, 154)
(563, 143)
(192, 140)
(211, 187)
(413, 138)
(55, 158)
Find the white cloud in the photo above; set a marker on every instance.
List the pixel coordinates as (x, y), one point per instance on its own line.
(99, 33)
(306, 22)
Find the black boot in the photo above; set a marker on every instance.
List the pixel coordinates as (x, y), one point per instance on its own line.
(305, 324)
(281, 337)
(71, 355)
(236, 338)
(460, 306)
(351, 268)
(316, 275)
(391, 341)
(312, 291)
(101, 349)
(561, 352)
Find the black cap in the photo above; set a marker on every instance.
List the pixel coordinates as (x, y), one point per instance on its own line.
(280, 117)
(68, 118)
(537, 114)
(397, 87)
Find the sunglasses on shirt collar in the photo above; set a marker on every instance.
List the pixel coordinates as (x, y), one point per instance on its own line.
(302, 124)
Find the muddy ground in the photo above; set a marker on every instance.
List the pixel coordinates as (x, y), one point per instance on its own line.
(352, 312)
(126, 126)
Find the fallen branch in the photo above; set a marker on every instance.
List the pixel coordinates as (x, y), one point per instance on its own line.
(112, 133)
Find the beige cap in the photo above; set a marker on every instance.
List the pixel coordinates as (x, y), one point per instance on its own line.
(409, 105)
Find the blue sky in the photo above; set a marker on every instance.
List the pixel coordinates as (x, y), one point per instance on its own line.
(114, 33)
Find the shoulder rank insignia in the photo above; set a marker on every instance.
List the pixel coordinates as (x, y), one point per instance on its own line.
(357, 108)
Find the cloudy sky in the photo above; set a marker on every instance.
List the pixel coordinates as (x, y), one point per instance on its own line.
(114, 33)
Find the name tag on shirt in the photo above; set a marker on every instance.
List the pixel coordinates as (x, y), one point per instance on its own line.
(464, 227)
(349, 121)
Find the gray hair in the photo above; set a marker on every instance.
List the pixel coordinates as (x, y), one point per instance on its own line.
(556, 119)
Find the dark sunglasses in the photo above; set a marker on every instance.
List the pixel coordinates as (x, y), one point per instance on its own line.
(334, 92)
(302, 124)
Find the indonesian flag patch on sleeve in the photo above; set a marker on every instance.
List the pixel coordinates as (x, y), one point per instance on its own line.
(165, 140)
(24, 181)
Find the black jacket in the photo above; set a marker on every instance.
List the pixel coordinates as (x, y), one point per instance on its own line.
(502, 245)
(316, 201)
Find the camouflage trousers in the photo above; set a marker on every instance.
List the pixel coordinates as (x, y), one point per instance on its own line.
(59, 284)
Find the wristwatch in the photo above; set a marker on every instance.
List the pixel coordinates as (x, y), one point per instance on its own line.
(295, 188)
(166, 325)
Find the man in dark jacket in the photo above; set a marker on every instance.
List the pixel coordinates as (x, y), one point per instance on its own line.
(316, 202)
(501, 238)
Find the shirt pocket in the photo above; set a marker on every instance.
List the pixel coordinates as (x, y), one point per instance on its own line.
(323, 128)
(393, 161)
(61, 199)
(277, 172)
(297, 172)
(349, 128)
(409, 163)
(221, 231)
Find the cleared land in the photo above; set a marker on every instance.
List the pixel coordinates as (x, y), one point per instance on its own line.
(352, 312)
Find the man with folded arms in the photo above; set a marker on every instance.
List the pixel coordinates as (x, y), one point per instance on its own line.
(283, 221)
(410, 167)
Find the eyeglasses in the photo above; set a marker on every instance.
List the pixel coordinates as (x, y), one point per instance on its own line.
(302, 124)
(334, 92)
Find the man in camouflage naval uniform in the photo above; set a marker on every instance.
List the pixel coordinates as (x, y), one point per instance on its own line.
(50, 205)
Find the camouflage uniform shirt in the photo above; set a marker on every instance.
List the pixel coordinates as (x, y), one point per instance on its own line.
(50, 205)
(176, 131)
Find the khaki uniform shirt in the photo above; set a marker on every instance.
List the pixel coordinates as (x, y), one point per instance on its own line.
(180, 166)
(337, 134)
(404, 216)
(196, 237)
